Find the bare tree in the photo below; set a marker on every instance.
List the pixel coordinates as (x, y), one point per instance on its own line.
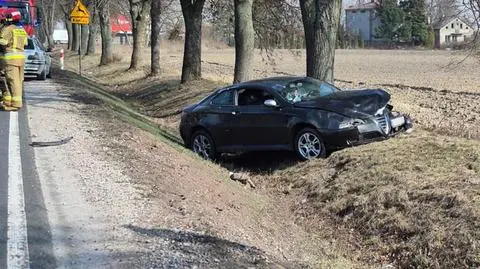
(277, 23)
(473, 12)
(65, 7)
(244, 41)
(192, 55)
(103, 7)
(139, 10)
(84, 28)
(155, 15)
(442, 10)
(320, 21)
(92, 32)
(47, 9)
(73, 30)
(171, 17)
(75, 37)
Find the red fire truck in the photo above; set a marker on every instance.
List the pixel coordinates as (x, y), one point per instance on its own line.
(30, 19)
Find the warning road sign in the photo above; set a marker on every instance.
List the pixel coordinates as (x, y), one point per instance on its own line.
(80, 14)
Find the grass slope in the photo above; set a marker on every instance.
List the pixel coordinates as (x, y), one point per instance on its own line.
(413, 200)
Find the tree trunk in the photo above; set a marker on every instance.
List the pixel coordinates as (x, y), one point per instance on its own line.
(155, 12)
(70, 34)
(41, 35)
(75, 37)
(92, 34)
(106, 33)
(192, 55)
(47, 12)
(320, 20)
(139, 10)
(244, 41)
(84, 38)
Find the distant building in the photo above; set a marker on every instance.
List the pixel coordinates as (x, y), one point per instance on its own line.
(451, 32)
(362, 19)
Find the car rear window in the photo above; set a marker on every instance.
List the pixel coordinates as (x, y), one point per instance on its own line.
(30, 45)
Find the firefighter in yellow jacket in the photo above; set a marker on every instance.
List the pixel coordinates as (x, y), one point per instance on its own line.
(13, 39)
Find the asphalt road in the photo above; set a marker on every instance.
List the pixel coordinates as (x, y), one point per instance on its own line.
(25, 236)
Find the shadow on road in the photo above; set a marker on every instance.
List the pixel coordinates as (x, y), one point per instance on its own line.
(208, 251)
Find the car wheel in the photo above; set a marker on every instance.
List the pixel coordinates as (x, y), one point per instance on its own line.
(309, 145)
(49, 75)
(43, 75)
(203, 145)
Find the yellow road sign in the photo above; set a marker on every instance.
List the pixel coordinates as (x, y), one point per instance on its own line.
(80, 14)
(80, 20)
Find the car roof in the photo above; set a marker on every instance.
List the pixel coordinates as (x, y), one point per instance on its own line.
(269, 82)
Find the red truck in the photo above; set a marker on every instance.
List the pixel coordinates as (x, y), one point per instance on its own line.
(30, 19)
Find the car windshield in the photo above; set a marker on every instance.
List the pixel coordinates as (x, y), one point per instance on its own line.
(305, 89)
(30, 45)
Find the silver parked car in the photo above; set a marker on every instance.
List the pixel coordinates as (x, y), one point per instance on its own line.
(38, 61)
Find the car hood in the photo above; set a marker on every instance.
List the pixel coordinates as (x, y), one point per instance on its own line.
(352, 103)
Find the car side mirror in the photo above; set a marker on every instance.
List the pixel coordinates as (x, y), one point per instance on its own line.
(270, 103)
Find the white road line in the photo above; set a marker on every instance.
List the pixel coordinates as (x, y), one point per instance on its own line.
(17, 244)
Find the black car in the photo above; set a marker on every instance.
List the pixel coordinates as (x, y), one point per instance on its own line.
(301, 114)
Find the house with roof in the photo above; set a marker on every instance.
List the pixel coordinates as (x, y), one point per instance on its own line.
(451, 32)
(362, 19)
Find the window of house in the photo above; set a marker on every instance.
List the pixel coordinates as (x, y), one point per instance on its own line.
(461, 26)
(446, 28)
(466, 27)
(253, 97)
(224, 98)
(363, 11)
(452, 26)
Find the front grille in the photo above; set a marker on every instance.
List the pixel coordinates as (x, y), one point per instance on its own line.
(382, 121)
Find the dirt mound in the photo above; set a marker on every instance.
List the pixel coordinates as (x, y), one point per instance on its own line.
(413, 200)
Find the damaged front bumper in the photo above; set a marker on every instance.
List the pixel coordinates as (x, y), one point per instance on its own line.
(379, 127)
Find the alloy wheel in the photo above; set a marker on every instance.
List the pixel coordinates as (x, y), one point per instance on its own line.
(309, 146)
(202, 146)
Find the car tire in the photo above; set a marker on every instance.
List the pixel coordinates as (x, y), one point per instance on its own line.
(309, 145)
(43, 75)
(203, 145)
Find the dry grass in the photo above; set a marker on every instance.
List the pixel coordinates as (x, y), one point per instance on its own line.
(412, 201)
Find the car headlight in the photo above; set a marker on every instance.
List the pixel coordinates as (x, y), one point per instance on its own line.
(350, 123)
(345, 125)
(336, 121)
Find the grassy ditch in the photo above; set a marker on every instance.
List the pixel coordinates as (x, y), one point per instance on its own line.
(120, 107)
(414, 200)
